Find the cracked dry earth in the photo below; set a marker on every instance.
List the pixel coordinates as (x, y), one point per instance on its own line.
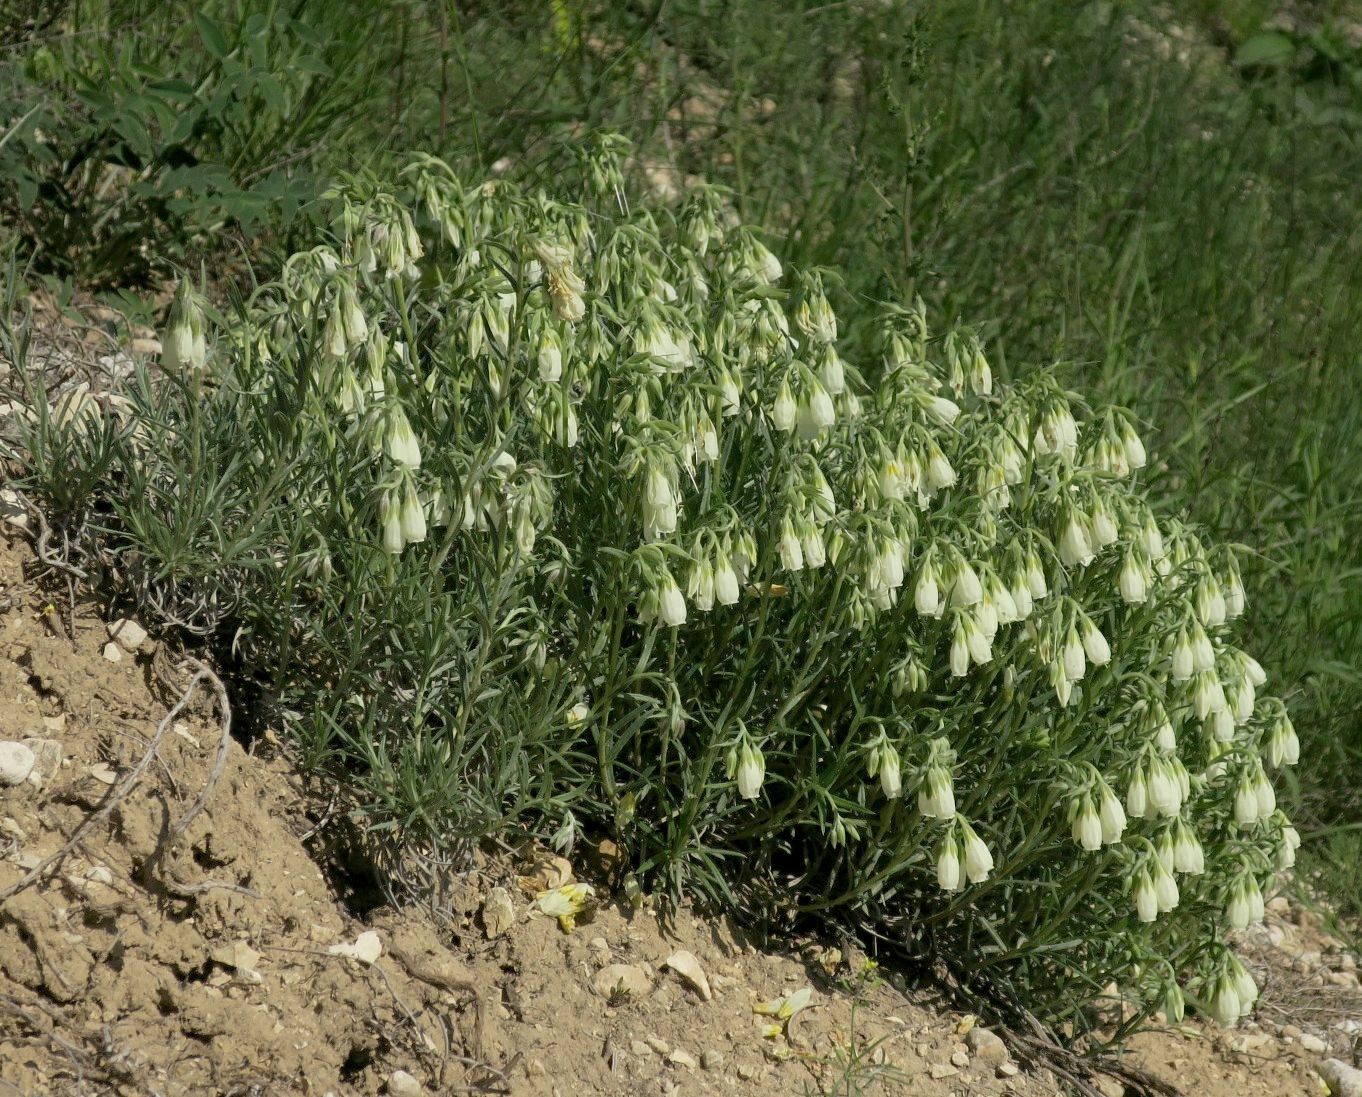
(233, 967)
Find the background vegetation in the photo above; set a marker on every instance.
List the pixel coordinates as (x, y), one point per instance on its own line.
(1159, 199)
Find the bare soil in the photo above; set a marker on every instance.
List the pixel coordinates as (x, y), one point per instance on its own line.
(202, 965)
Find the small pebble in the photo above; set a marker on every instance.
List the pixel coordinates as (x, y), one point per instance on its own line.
(113, 652)
(402, 1084)
(1310, 1042)
(712, 1060)
(688, 967)
(960, 1059)
(498, 912)
(986, 1045)
(127, 634)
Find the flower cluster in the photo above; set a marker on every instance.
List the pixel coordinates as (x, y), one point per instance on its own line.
(846, 602)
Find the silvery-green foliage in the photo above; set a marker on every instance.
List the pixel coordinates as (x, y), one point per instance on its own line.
(600, 514)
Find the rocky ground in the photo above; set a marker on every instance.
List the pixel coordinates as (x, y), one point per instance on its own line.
(229, 961)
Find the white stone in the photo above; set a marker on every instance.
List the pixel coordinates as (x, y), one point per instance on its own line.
(402, 1084)
(366, 949)
(16, 763)
(1342, 1079)
(688, 967)
(1311, 1042)
(498, 912)
(986, 1045)
(127, 634)
(625, 980)
(113, 652)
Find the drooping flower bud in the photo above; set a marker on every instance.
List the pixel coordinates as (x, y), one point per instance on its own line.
(1188, 856)
(883, 761)
(1087, 825)
(391, 519)
(1165, 888)
(948, 869)
(1145, 898)
(413, 515)
(940, 474)
(978, 859)
(1074, 549)
(784, 411)
(936, 793)
(671, 603)
(1111, 815)
(1095, 644)
(815, 413)
(1283, 747)
(1245, 906)
(749, 767)
(399, 440)
(1133, 582)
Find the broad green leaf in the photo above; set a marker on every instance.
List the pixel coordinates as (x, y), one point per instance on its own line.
(272, 92)
(213, 38)
(1271, 48)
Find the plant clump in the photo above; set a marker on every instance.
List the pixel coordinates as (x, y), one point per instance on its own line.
(560, 515)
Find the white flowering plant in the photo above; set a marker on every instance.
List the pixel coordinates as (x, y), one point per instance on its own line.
(559, 515)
